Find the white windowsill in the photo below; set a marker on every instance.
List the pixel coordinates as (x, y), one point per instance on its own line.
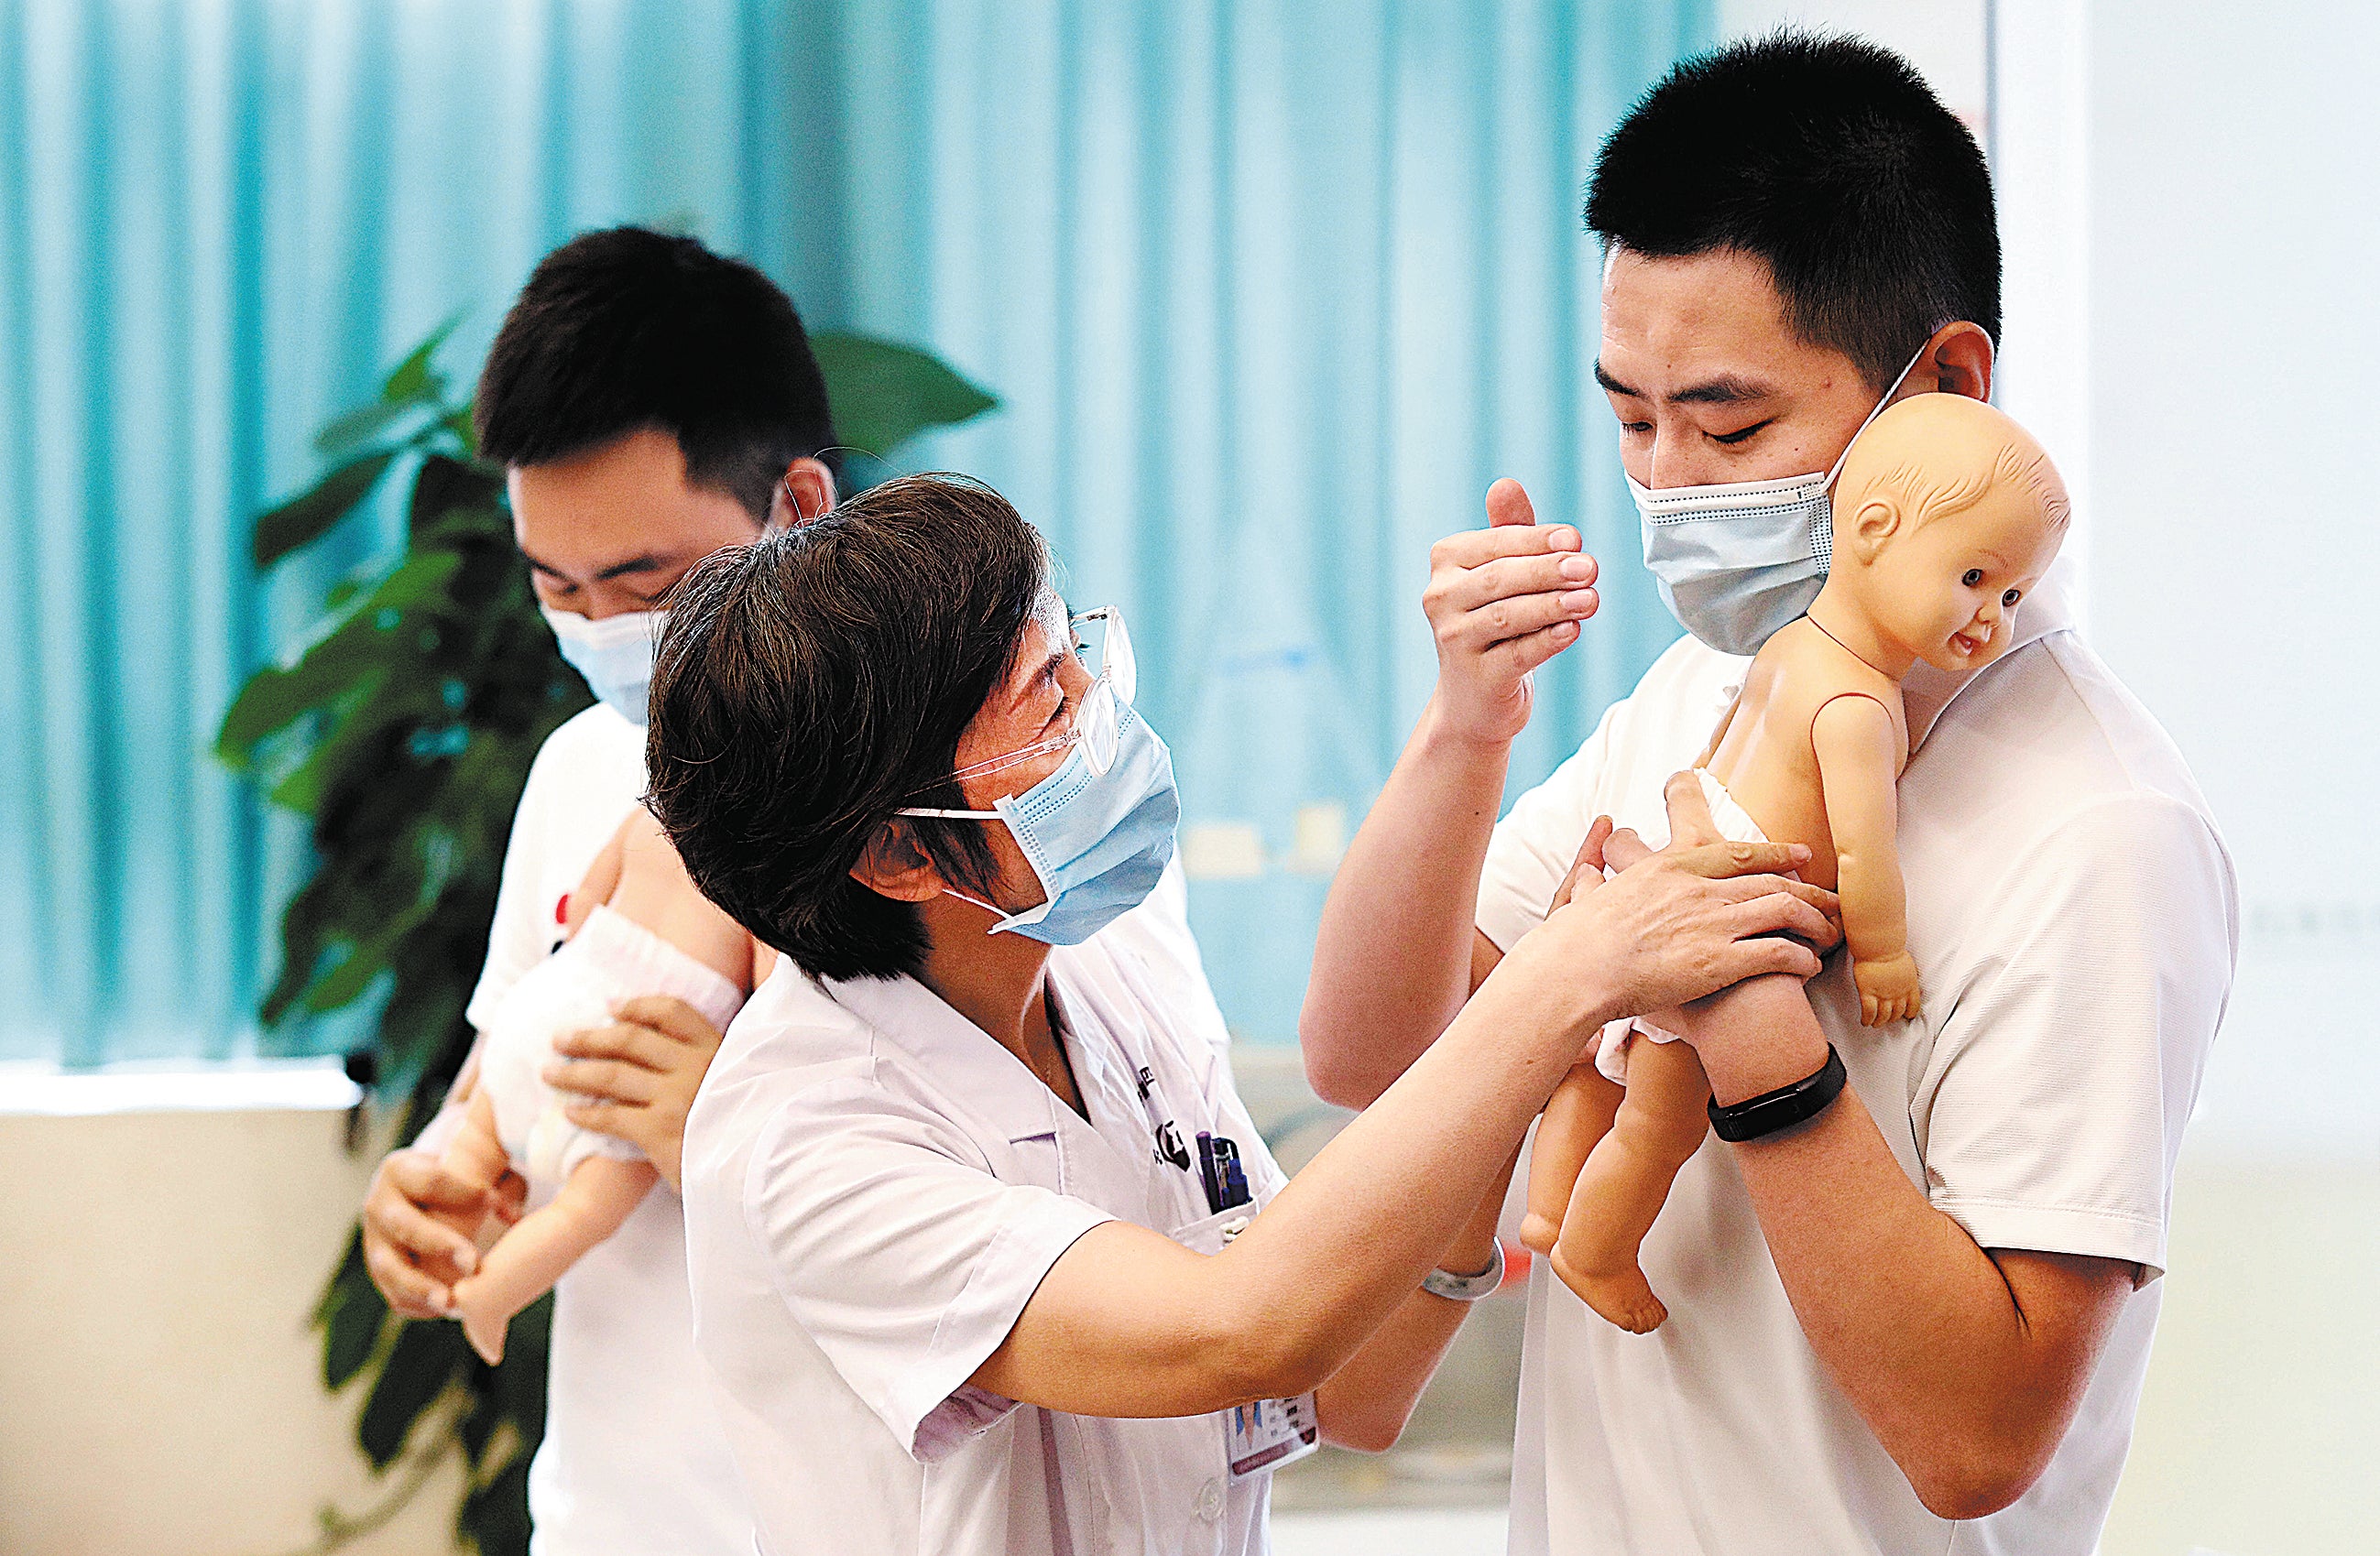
(232, 1086)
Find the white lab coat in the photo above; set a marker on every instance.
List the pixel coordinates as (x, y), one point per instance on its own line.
(874, 1187)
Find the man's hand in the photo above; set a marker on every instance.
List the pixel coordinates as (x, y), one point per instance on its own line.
(639, 1075)
(1502, 601)
(418, 1223)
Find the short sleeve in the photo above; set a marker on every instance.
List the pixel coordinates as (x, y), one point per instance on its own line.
(2052, 1108)
(899, 1253)
(523, 932)
(1533, 845)
(586, 778)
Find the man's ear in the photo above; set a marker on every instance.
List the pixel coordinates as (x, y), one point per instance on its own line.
(807, 493)
(1960, 359)
(1877, 521)
(893, 865)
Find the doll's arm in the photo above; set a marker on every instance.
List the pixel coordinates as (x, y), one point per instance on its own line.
(475, 1153)
(527, 1260)
(1859, 756)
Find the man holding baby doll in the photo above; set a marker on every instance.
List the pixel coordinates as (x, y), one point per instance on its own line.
(652, 402)
(1911, 1313)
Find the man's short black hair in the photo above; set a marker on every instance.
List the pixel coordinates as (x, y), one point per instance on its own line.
(628, 329)
(1830, 159)
(814, 682)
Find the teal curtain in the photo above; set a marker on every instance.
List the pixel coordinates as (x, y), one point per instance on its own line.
(1274, 292)
(221, 221)
(1271, 293)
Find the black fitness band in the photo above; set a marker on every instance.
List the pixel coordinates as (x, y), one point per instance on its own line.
(1784, 1107)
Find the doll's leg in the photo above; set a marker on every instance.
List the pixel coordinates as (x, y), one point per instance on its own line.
(528, 1259)
(1579, 1114)
(1661, 1122)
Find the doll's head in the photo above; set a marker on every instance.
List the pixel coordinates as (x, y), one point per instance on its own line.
(1946, 515)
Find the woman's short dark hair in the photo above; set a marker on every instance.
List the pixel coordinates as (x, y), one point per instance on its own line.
(814, 682)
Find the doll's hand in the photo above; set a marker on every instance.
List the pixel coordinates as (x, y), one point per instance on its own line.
(1887, 989)
(483, 1325)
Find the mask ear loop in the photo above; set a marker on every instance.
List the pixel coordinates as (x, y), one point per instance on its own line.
(1898, 379)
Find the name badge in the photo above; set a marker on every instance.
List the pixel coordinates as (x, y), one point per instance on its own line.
(1269, 1433)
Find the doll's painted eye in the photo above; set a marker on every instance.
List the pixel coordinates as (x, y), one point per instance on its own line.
(1974, 575)
(2007, 600)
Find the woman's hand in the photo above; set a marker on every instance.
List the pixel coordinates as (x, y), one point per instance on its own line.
(637, 1077)
(1675, 926)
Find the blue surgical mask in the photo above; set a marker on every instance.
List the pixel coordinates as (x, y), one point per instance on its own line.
(614, 654)
(1736, 562)
(1097, 842)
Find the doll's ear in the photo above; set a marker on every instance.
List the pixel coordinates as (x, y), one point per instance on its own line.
(1877, 521)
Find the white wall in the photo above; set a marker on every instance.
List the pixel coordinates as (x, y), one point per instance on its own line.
(160, 1389)
(2234, 557)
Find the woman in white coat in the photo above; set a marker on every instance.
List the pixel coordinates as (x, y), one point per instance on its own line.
(986, 1255)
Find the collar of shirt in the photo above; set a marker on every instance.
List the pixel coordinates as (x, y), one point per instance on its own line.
(1928, 693)
(969, 1064)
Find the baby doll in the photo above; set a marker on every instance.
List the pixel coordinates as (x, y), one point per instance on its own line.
(637, 926)
(1946, 513)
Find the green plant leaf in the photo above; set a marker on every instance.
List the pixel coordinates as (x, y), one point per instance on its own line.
(307, 517)
(429, 1354)
(306, 927)
(350, 1314)
(351, 658)
(464, 430)
(885, 393)
(350, 431)
(413, 381)
(494, 1517)
(275, 698)
(444, 484)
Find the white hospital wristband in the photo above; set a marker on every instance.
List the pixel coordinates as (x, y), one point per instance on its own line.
(1467, 1288)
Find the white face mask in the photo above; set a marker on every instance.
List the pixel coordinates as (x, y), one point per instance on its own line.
(614, 654)
(1735, 562)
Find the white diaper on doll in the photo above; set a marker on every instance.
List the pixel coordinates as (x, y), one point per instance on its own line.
(1735, 823)
(611, 959)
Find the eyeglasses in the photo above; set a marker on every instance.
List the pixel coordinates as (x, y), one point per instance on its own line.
(1099, 639)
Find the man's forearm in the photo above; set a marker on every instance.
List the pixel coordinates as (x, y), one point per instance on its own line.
(1392, 956)
(1925, 1332)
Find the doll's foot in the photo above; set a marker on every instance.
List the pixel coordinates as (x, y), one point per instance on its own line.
(1538, 1233)
(482, 1326)
(1623, 1295)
